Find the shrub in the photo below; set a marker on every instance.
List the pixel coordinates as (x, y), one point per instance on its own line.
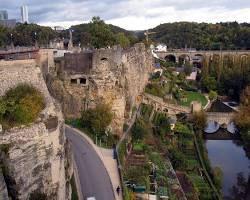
(20, 105)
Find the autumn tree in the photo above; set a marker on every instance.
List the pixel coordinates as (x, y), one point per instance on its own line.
(242, 118)
(200, 119)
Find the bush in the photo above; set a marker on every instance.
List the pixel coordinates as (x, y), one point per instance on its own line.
(20, 106)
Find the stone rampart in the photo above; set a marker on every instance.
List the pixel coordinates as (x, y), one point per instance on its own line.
(34, 155)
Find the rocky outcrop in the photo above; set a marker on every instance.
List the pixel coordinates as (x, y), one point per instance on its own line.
(114, 76)
(36, 158)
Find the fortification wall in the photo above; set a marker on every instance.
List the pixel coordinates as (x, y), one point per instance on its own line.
(34, 155)
(117, 77)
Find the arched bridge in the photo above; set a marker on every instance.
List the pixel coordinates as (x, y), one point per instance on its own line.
(220, 117)
(160, 105)
(197, 56)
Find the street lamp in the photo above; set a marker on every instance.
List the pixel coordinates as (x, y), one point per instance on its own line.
(11, 41)
(35, 34)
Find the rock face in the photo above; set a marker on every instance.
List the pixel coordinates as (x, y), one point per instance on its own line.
(114, 76)
(33, 158)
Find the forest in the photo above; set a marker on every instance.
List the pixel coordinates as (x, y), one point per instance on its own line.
(231, 35)
(201, 36)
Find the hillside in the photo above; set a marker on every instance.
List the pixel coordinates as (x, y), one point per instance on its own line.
(203, 36)
(82, 33)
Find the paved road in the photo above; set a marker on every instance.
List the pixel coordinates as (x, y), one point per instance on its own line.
(93, 176)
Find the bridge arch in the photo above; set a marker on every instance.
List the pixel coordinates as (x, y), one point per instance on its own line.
(171, 58)
(197, 60)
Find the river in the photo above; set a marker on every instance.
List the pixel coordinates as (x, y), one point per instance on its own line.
(232, 160)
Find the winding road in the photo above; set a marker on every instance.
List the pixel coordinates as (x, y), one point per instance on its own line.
(94, 179)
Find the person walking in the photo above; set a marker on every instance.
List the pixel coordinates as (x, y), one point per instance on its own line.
(118, 190)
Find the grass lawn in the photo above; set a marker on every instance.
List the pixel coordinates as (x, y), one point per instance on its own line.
(193, 96)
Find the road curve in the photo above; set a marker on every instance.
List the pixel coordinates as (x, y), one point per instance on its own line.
(93, 176)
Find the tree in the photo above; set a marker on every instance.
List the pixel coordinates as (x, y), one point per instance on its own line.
(242, 118)
(212, 95)
(3, 36)
(208, 83)
(217, 176)
(139, 130)
(97, 119)
(200, 120)
(122, 40)
(101, 34)
(188, 68)
(240, 190)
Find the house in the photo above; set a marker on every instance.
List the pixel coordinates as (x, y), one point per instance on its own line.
(161, 48)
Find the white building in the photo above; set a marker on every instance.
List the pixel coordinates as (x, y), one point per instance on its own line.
(24, 14)
(161, 48)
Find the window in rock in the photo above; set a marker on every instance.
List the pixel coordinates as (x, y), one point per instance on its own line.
(104, 59)
(83, 81)
(73, 81)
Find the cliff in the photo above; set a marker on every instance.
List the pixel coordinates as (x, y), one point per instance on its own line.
(35, 159)
(114, 76)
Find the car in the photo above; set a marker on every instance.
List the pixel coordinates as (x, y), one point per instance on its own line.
(91, 198)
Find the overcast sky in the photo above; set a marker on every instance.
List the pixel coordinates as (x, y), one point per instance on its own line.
(129, 14)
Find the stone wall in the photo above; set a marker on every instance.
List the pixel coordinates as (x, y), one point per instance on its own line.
(117, 77)
(34, 156)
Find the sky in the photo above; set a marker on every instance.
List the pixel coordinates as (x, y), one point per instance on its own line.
(129, 14)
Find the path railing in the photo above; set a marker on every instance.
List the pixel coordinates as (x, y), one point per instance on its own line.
(116, 150)
(218, 197)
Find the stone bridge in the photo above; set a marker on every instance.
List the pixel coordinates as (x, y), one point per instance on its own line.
(160, 105)
(197, 56)
(220, 117)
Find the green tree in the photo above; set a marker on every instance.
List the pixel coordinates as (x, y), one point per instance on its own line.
(208, 83)
(212, 95)
(122, 40)
(3, 36)
(97, 119)
(139, 130)
(101, 34)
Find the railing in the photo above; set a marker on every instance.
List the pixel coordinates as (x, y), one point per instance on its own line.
(116, 150)
(218, 197)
